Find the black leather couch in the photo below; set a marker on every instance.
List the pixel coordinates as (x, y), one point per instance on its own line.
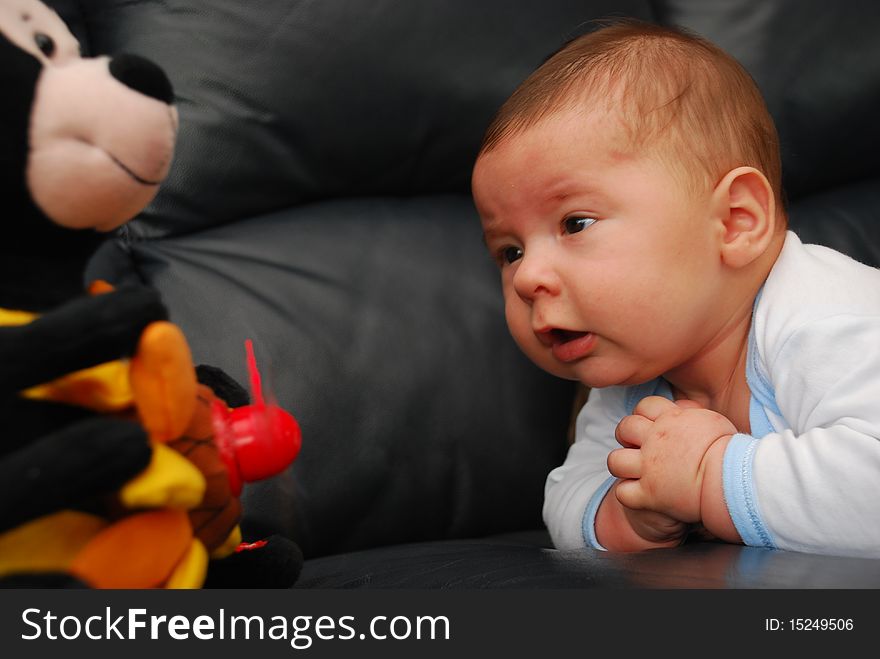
(319, 204)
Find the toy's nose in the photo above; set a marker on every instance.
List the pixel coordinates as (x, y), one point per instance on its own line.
(143, 76)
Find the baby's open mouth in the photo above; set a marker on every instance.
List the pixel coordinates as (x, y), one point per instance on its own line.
(564, 336)
(570, 345)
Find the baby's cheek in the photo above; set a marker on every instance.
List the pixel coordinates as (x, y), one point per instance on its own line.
(519, 323)
(516, 315)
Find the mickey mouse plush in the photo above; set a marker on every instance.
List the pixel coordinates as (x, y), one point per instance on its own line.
(95, 389)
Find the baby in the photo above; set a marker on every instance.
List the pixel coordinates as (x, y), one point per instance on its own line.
(630, 192)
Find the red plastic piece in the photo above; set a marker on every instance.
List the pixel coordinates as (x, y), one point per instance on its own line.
(258, 440)
(250, 546)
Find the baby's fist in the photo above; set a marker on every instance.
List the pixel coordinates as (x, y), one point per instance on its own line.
(663, 459)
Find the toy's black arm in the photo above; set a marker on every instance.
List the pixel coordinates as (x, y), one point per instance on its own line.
(25, 420)
(90, 456)
(81, 333)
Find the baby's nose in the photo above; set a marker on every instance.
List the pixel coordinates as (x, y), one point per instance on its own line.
(535, 276)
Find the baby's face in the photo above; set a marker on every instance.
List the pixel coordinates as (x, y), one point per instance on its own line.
(610, 269)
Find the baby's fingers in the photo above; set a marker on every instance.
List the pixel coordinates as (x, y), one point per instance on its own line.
(632, 430)
(653, 406)
(625, 463)
(631, 494)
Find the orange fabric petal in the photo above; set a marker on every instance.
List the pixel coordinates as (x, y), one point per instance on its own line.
(163, 381)
(139, 551)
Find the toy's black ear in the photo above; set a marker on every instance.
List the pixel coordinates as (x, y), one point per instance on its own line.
(224, 387)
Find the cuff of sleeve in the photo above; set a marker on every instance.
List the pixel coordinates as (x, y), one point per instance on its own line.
(589, 524)
(739, 492)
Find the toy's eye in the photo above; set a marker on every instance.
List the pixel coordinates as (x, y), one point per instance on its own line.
(510, 254)
(45, 43)
(576, 224)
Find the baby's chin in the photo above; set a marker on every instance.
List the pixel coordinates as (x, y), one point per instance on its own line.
(595, 371)
(598, 373)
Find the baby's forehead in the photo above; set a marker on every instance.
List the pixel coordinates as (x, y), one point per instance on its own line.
(563, 139)
(580, 157)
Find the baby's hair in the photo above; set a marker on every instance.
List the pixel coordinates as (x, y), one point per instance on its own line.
(677, 94)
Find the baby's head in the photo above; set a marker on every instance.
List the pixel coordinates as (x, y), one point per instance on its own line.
(674, 95)
(629, 190)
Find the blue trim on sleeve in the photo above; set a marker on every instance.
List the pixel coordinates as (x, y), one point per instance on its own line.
(759, 386)
(758, 419)
(739, 492)
(589, 523)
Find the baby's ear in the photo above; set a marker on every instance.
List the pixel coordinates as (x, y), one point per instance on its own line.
(745, 205)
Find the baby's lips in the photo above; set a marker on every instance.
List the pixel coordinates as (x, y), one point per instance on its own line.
(553, 336)
(546, 336)
(574, 346)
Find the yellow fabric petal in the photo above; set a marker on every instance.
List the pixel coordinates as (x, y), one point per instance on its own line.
(229, 545)
(103, 388)
(192, 569)
(16, 317)
(169, 481)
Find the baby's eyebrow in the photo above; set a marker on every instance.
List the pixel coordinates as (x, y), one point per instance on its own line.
(557, 192)
(488, 224)
(560, 189)
(489, 234)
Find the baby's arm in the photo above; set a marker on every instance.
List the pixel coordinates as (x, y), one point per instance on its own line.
(713, 508)
(619, 528)
(812, 487)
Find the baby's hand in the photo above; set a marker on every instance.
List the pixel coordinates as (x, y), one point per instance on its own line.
(663, 459)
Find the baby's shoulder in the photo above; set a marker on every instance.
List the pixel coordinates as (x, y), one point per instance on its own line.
(812, 283)
(817, 304)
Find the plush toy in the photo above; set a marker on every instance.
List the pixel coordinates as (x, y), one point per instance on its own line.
(118, 467)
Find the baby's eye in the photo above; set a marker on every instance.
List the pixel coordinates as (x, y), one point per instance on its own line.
(45, 43)
(577, 223)
(509, 254)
